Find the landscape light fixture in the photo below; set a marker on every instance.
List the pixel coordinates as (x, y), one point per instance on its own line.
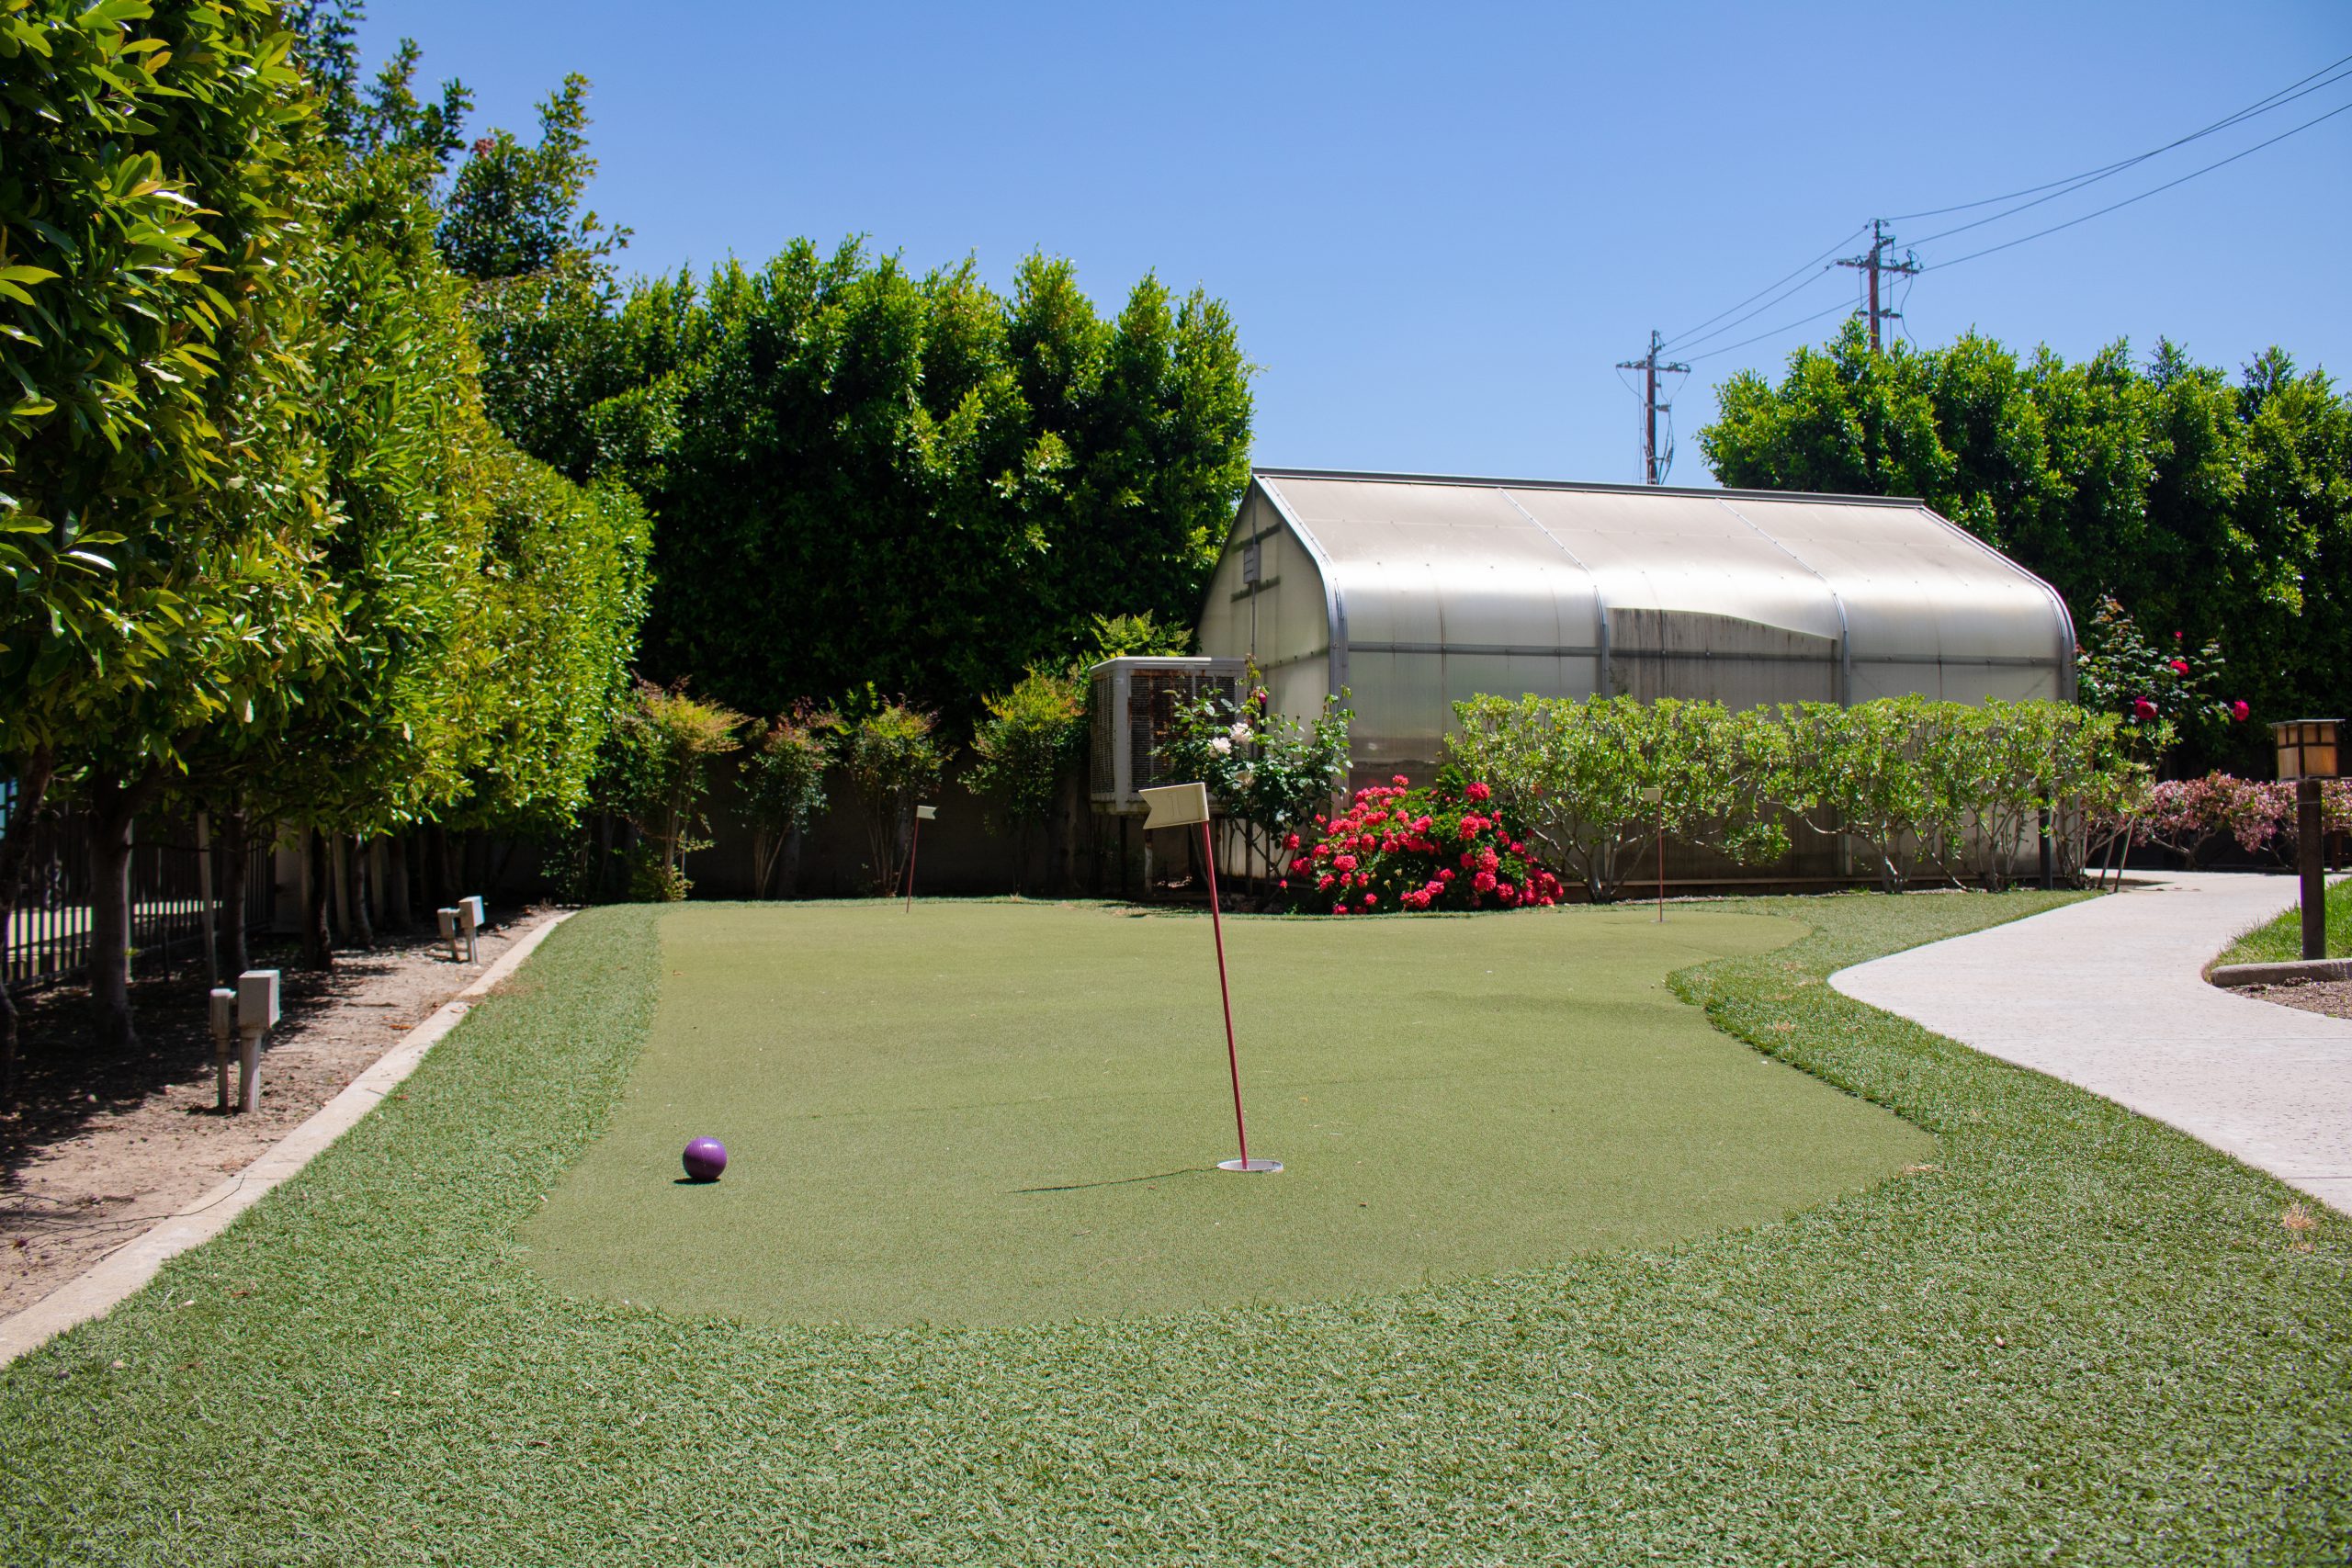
(2306, 750)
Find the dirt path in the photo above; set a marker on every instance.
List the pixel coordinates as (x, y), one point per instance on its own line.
(98, 1152)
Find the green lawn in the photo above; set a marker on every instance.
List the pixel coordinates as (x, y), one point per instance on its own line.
(2281, 940)
(991, 1113)
(2081, 1337)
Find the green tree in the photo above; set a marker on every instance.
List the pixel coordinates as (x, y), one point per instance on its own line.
(891, 752)
(784, 788)
(941, 487)
(2221, 512)
(1026, 750)
(658, 778)
(148, 217)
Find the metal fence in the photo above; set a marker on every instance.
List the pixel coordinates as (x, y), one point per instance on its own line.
(49, 935)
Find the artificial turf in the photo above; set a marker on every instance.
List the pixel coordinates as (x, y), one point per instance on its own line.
(2081, 1337)
(992, 1114)
(2280, 940)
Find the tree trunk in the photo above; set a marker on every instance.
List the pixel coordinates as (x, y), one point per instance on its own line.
(339, 888)
(789, 879)
(114, 809)
(16, 844)
(236, 848)
(317, 943)
(363, 925)
(420, 877)
(396, 911)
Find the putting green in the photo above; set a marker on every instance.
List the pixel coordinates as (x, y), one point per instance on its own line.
(988, 1114)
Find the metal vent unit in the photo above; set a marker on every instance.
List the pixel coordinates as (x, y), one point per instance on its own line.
(1135, 702)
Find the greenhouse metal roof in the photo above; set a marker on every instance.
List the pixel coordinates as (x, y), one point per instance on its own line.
(1415, 590)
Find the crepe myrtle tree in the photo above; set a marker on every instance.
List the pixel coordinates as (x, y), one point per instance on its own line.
(658, 778)
(784, 788)
(1270, 772)
(892, 753)
(1026, 748)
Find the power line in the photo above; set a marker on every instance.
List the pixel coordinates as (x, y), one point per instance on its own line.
(1811, 266)
(1776, 332)
(2278, 99)
(2086, 181)
(1687, 341)
(1934, 267)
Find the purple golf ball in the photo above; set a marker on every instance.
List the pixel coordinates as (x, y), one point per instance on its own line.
(706, 1158)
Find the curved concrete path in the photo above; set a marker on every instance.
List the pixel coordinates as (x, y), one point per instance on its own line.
(2106, 994)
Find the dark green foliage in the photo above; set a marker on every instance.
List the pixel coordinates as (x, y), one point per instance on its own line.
(1025, 750)
(2081, 1337)
(2221, 512)
(863, 474)
(514, 210)
(148, 212)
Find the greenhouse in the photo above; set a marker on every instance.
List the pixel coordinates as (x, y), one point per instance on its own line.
(1412, 592)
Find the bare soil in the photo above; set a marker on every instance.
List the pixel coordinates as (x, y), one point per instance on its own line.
(2333, 998)
(100, 1148)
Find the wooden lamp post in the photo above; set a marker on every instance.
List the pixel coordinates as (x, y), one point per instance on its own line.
(2307, 755)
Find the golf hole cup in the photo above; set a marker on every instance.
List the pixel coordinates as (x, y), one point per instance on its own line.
(706, 1158)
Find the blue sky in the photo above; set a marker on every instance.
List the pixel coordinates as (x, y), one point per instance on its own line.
(1439, 226)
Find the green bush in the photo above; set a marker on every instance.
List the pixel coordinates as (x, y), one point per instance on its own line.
(1925, 788)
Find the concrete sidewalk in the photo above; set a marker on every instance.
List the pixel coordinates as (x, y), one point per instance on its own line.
(2106, 994)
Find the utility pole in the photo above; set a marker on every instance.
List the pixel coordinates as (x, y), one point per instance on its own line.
(1652, 466)
(1876, 262)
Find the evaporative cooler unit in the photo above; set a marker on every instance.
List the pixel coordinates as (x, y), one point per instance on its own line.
(1134, 704)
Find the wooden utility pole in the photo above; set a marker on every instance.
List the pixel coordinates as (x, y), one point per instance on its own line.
(1653, 467)
(1874, 264)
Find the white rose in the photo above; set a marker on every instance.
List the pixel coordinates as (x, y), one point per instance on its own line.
(1221, 745)
(1240, 733)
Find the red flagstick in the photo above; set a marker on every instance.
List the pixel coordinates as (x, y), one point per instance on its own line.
(1232, 1058)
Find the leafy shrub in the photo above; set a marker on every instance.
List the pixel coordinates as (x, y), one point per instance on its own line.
(1028, 746)
(1442, 847)
(893, 759)
(657, 775)
(1923, 787)
(2187, 816)
(1269, 771)
(784, 783)
(1577, 773)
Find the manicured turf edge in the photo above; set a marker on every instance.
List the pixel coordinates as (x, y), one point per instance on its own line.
(2280, 940)
(2081, 1337)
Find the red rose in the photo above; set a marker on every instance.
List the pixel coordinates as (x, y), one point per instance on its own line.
(1398, 779)
(2143, 709)
(1291, 843)
(1475, 791)
(2239, 711)
(1370, 900)
(2180, 666)
(1446, 875)
(1484, 882)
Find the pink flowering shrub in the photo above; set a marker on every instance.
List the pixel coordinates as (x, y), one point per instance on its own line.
(1442, 847)
(2187, 814)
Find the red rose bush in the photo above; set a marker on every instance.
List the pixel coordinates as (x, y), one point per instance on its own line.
(1396, 848)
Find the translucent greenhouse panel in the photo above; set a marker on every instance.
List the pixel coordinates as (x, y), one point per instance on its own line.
(1916, 587)
(1685, 553)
